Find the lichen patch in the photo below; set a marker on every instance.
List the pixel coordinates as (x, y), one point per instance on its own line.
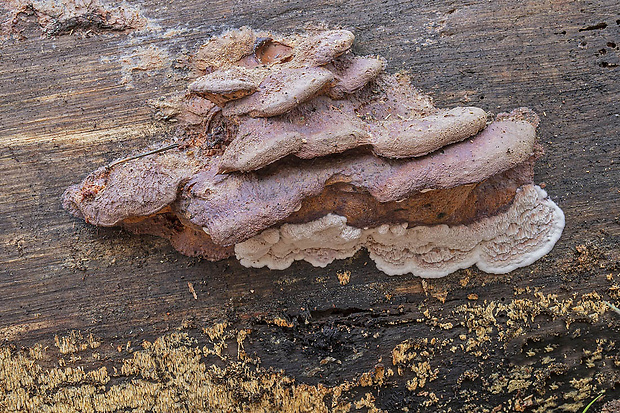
(217, 368)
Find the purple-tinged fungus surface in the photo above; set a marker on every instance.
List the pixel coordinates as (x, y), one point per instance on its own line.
(291, 148)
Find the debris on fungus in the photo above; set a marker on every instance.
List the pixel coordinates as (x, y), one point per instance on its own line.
(291, 148)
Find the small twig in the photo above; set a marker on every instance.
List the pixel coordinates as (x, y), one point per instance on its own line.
(131, 158)
(613, 307)
(191, 290)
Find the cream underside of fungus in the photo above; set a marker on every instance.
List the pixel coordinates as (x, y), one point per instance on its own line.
(292, 148)
(498, 244)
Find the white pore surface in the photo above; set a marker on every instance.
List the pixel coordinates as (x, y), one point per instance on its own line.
(498, 244)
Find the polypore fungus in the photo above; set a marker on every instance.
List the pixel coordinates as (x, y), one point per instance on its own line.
(291, 148)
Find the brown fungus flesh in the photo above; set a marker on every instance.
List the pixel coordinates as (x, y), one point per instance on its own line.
(294, 149)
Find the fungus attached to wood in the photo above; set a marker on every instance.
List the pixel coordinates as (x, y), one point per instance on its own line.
(294, 149)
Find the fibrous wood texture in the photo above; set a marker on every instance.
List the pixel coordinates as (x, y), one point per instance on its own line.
(74, 95)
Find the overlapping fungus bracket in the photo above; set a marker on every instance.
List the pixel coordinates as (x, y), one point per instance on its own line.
(321, 153)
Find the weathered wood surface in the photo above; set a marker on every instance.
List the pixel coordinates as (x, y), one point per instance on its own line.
(71, 102)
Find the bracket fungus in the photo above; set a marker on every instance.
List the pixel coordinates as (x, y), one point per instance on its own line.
(292, 148)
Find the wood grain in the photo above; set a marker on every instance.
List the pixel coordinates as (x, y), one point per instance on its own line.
(71, 103)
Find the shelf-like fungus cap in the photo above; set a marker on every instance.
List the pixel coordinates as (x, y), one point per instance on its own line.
(515, 238)
(304, 106)
(296, 149)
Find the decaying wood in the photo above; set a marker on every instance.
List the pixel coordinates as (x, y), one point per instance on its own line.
(75, 98)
